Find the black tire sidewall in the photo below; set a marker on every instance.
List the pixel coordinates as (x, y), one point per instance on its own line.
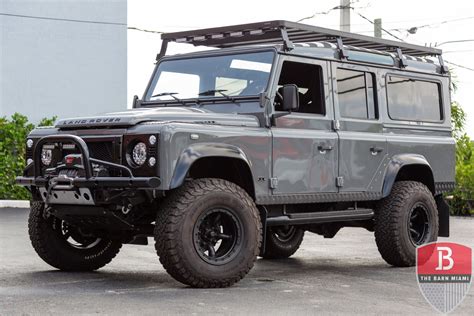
(57, 252)
(276, 248)
(403, 223)
(248, 233)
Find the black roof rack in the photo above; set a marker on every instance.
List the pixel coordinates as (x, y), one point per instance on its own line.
(287, 33)
(272, 32)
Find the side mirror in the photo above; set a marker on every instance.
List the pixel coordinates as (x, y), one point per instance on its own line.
(290, 97)
(135, 102)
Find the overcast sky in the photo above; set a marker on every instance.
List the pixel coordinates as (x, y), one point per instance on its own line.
(436, 23)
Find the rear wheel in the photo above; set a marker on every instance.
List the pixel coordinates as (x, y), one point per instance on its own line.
(67, 247)
(404, 220)
(282, 241)
(208, 233)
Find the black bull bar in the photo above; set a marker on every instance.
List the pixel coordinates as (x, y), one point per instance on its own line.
(89, 181)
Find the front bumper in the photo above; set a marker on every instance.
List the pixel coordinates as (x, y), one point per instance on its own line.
(53, 184)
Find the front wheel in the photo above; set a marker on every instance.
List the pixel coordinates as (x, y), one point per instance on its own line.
(404, 220)
(67, 247)
(282, 241)
(208, 233)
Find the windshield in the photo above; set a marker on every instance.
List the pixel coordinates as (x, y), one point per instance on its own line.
(226, 76)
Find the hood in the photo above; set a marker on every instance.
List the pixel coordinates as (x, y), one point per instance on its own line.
(163, 114)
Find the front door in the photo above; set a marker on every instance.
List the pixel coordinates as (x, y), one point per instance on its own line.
(305, 146)
(362, 144)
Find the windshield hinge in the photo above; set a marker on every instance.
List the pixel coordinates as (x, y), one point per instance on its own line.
(336, 125)
(339, 182)
(273, 183)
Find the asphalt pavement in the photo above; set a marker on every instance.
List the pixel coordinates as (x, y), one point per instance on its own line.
(343, 275)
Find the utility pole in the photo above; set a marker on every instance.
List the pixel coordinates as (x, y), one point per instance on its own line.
(345, 19)
(378, 28)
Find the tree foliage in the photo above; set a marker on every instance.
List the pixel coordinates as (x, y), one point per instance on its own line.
(463, 195)
(13, 133)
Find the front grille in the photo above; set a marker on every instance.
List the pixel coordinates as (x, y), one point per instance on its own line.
(102, 151)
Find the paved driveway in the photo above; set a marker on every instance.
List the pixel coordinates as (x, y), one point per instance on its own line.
(326, 276)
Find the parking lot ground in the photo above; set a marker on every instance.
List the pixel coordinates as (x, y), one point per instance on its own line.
(343, 275)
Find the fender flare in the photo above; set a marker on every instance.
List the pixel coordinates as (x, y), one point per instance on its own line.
(398, 162)
(202, 150)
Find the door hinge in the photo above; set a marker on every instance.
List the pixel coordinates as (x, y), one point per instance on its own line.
(339, 182)
(273, 183)
(336, 125)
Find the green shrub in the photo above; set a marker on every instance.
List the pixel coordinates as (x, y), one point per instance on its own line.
(463, 195)
(13, 133)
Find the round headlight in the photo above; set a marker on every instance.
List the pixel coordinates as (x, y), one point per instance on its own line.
(29, 143)
(46, 156)
(29, 161)
(139, 154)
(152, 140)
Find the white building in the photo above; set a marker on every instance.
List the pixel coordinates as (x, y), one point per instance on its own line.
(62, 57)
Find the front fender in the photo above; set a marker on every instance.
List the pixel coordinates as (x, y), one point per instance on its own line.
(197, 151)
(396, 163)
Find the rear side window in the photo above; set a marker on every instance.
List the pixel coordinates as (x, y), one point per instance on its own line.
(356, 94)
(413, 100)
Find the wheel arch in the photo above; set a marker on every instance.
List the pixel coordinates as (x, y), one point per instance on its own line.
(214, 160)
(408, 167)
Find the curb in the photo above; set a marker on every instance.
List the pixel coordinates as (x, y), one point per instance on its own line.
(14, 203)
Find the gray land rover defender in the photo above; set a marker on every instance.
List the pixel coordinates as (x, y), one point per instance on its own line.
(236, 152)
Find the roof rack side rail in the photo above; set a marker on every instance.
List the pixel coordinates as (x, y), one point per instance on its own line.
(340, 47)
(401, 62)
(443, 68)
(287, 44)
(164, 47)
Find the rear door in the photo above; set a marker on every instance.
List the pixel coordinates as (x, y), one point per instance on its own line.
(304, 144)
(362, 144)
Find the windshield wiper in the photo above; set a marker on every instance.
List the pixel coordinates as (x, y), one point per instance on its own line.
(214, 91)
(171, 94)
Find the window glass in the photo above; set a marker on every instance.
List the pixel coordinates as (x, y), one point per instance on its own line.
(413, 100)
(309, 80)
(200, 77)
(356, 95)
(231, 85)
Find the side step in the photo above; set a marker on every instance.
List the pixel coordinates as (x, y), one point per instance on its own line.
(321, 217)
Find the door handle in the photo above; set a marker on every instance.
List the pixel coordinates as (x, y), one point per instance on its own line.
(375, 150)
(323, 148)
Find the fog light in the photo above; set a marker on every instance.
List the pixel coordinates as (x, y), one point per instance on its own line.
(152, 161)
(46, 156)
(29, 143)
(152, 140)
(139, 154)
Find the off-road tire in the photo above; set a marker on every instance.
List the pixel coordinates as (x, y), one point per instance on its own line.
(392, 223)
(176, 222)
(56, 251)
(277, 247)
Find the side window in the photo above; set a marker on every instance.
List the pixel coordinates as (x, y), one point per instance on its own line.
(356, 94)
(309, 79)
(413, 100)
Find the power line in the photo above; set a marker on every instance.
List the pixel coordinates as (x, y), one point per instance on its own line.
(413, 29)
(372, 22)
(338, 7)
(144, 30)
(59, 19)
(457, 65)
